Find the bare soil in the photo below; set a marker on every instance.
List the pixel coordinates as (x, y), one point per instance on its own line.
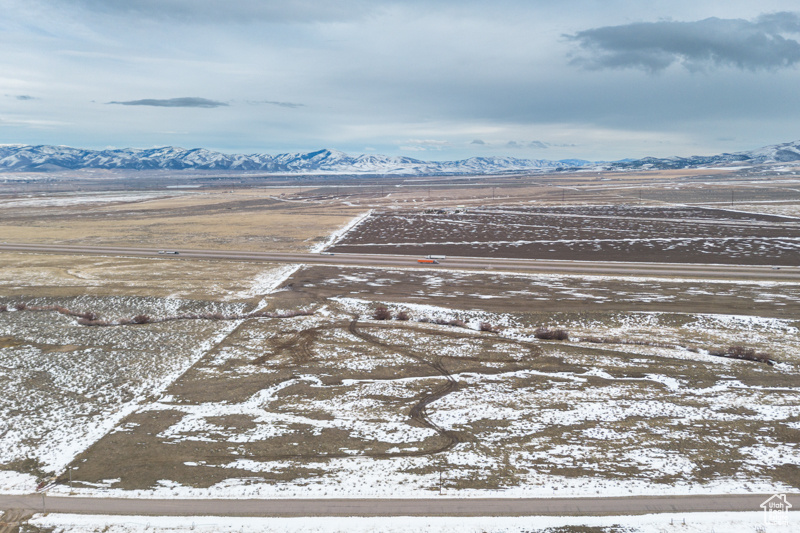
(589, 233)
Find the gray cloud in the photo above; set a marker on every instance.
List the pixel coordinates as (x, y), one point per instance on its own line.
(25, 97)
(759, 44)
(537, 144)
(189, 101)
(478, 141)
(290, 105)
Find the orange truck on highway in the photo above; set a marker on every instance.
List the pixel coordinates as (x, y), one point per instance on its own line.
(428, 261)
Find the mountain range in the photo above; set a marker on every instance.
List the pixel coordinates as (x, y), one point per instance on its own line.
(44, 158)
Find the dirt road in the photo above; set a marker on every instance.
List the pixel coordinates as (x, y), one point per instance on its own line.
(604, 268)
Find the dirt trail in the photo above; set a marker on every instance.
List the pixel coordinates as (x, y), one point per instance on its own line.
(419, 412)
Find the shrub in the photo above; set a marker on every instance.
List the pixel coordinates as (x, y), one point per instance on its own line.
(3, 308)
(744, 353)
(403, 315)
(551, 334)
(141, 319)
(20, 306)
(382, 313)
(485, 326)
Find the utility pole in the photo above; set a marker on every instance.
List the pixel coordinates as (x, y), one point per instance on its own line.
(441, 483)
(731, 197)
(70, 478)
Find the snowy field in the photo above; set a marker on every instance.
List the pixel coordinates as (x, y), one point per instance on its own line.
(652, 523)
(320, 406)
(680, 234)
(339, 404)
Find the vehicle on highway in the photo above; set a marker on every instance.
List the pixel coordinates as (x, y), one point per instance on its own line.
(436, 256)
(428, 261)
(168, 252)
(326, 253)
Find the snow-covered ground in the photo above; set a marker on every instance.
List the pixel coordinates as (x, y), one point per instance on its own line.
(650, 523)
(536, 419)
(339, 233)
(81, 199)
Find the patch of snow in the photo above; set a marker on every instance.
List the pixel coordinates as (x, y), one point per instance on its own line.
(726, 522)
(339, 233)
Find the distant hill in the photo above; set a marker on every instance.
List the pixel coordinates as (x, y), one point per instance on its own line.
(777, 153)
(27, 158)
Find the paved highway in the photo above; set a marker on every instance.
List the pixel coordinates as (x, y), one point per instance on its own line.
(393, 507)
(462, 263)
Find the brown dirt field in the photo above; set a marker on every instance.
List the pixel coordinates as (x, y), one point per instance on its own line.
(542, 295)
(312, 366)
(613, 233)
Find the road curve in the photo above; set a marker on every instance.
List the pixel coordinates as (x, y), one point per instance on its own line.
(573, 506)
(543, 266)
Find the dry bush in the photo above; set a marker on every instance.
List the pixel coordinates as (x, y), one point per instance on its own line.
(92, 319)
(3, 308)
(744, 353)
(20, 306)
(382, 313)
(551, 334)
(403, 315)
(485, 326)
(457, 323)
(141, 319)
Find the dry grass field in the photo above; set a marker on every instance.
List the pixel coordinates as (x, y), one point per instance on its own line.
(249, 219)
(455, 387)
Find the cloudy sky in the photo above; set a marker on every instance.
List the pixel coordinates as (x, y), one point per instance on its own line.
(432, 79)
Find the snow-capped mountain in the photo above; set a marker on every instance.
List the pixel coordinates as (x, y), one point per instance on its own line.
(25, 158)
(776, 153)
